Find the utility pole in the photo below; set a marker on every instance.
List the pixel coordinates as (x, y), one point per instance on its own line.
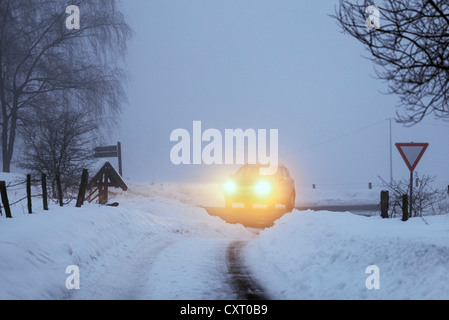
(391, 154)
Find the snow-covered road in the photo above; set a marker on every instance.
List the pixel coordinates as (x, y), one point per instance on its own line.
(192, 269)
(242, 278)
(121, 273)
(179, 265)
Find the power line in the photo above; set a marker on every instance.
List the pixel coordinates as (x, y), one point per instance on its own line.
(435, 125)
(342, 136)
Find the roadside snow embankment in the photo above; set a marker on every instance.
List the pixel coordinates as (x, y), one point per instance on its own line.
(114, 248)
(337, 196)
(324, 255)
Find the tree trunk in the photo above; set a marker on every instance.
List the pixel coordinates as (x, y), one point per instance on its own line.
(9, 129)
(12, 135)
(59, 187)
(6, 162)
(5, 118)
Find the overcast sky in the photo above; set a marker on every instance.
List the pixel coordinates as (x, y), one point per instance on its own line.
(263, 65)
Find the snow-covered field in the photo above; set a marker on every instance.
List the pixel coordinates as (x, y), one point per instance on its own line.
(210, 195)
(158, 244)
(324, 255)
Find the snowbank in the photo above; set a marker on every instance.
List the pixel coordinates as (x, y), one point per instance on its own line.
(36, 249)
(324, 255)
(159, 245)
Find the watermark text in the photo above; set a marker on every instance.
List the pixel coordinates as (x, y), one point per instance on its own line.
(234, 147)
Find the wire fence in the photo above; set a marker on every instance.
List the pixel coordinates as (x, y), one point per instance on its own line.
(21, 191)
(24, 190)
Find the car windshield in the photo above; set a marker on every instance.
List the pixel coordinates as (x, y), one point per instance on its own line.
(248, 172)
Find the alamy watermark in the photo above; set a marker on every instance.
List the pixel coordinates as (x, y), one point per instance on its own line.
(373, 280)
(373, 21)
(234, 147)
(73, 280)
(73, 21)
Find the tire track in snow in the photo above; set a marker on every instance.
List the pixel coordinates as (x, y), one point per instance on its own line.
(246, 286)
(121, 273)
(191, 269)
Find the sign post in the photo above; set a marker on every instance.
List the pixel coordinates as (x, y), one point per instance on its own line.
(412, 154)
(410, 214)
(111, 152)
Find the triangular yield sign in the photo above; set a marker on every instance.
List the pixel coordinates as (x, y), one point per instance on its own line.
(412, 153)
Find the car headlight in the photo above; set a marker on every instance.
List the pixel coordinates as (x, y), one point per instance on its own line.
(263, 188)
(230, 187)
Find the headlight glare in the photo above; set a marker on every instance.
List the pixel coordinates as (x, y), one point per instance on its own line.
(230, 187)
(263, 188)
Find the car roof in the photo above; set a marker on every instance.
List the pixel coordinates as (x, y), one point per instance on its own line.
(261, 166)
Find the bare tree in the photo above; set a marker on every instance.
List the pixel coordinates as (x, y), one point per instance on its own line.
(40, 56)
(58, 144)
(410, 51)
(427, 200)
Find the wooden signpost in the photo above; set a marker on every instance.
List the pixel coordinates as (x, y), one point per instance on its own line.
(111, 152)
(105, 178)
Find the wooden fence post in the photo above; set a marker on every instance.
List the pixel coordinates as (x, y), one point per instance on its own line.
(44, 192)
(384, 204)
(119, 155)
(405, 207)
(59, 187)
(103, 197)
(5, 201)
(29, 204)
(83, 187)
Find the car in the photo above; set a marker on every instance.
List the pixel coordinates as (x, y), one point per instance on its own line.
(249, 187)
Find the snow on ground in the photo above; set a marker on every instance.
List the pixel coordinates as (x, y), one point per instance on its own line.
(201, 195)
(337, 196)
(202, 275)
(121, 252)
(324, 255)
(159, 245)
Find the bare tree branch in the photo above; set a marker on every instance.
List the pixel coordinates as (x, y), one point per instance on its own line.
(58, 144)
(410, 52)
(40, 58)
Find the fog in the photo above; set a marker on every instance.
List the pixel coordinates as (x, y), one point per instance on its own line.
(281, 65)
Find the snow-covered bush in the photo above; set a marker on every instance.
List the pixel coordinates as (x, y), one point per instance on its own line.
(426, 200)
